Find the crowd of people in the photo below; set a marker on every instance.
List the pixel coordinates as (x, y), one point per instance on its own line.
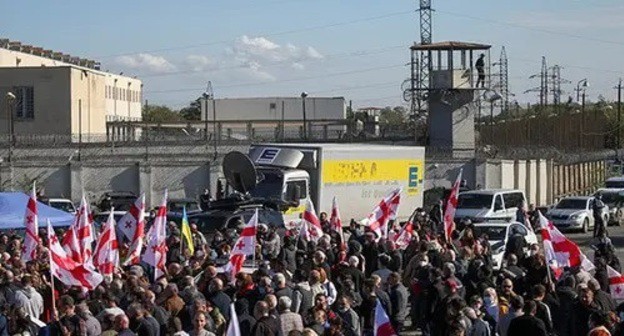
(324, 287)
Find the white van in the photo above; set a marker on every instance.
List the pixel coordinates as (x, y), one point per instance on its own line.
(615, 182)
(489, 205)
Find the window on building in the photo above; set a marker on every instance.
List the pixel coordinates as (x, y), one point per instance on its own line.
(24, 102)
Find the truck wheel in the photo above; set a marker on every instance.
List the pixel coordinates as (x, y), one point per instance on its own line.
(585, 228)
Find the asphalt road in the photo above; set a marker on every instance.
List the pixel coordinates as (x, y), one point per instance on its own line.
(584, 240)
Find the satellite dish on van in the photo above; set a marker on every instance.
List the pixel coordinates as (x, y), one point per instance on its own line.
(239, 172)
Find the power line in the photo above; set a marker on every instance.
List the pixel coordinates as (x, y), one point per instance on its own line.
(286, 32)
(541, 30)
(357, 53)
(337, 74)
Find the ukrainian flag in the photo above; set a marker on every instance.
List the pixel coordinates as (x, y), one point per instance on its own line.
(186, 232)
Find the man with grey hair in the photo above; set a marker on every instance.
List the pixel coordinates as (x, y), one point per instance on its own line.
(289, 321)
(92, 325)
(448, 272)
(218, 298)
(282, 289)
(603, 300)
(265, 325)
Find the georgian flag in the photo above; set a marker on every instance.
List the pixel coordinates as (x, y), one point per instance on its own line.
(106, 255)
(383, 213)
(132, 225)
(336, 222)
(451, 206)
(31, 222)
(245, 245)
(382, 322)
(404, 238)
(78, 239)
(66, 269)
(156, 253)
(561, 252)
(310, 223)
(616, 284)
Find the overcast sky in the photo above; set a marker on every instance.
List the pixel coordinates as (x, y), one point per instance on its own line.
(352, 48)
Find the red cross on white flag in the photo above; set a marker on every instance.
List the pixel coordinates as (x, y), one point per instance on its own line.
(31, 222)
(66, 269)
(156, 253)
(106, 255)
(383, 213)
(451, 206)
(244, 246)
(616, 284)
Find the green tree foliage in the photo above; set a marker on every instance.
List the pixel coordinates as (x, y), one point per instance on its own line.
(192, 112)
(160, 113)
(393, 115)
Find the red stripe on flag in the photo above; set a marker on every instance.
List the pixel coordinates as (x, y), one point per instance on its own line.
(616, 280)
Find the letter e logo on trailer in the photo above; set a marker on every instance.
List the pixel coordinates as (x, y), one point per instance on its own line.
(268, 155)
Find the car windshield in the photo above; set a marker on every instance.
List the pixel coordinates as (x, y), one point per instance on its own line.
(570, 203)
(610, 198)
(270, 186)
(179, 206)
(65, 206)
(208, 223)
(122, 204)
(474, 201)
(614, 184)
(493, 232)
(270, 218)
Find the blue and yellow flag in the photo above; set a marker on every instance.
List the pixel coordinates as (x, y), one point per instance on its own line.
(186, 232)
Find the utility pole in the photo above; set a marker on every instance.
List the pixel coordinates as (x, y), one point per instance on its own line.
(544, 84)
(543, 88)
(504, 80)
(619, 114)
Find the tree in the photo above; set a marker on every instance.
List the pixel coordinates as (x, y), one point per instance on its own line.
(193, 111)
(160, 113)
(393, 116)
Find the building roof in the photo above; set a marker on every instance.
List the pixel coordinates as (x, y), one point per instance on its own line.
(17, 46)
(451, 45)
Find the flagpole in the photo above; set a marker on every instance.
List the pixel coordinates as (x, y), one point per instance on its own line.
(51, 272)
(253, 258)
(182, 232)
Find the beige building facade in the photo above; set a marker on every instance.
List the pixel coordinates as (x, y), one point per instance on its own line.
(60, 95)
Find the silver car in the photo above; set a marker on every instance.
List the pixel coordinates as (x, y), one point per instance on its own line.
(575, 213)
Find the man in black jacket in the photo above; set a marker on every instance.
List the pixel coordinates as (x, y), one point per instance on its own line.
(566, 297)
(527, 324)
(398, 299)
(245, 321)
(265, 325)
(583, 308)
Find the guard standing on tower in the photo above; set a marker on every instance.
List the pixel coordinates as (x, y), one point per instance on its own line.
(480, 65)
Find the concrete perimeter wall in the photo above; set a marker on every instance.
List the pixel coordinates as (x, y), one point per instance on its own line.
(182, 179)
(543, 181)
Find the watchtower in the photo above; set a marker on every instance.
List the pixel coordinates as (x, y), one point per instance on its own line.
(457, 70)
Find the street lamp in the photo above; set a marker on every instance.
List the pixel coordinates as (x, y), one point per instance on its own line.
(303, 107)
(578, 87)
(10, 99)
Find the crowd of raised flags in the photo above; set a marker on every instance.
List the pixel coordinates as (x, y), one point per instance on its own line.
(74, 263)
